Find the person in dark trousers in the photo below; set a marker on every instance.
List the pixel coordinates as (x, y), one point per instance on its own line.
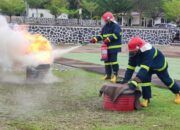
(110, 35)
(151, 61)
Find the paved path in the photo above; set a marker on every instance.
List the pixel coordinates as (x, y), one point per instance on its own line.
(99, 69)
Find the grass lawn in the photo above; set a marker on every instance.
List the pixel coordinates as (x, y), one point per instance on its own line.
(123, 61)
(73, 104)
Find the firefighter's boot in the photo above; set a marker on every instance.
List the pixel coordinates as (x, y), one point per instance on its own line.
(106, 77)
(145, 103)
(114, 79)
(177, 99)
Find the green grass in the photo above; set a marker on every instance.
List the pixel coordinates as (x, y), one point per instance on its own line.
(73, 104)
(123, 61)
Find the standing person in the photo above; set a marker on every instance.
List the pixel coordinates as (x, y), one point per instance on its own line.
(151, 61)
(111, 36)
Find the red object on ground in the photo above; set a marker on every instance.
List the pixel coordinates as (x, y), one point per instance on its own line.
(104, 52)
(123, 103)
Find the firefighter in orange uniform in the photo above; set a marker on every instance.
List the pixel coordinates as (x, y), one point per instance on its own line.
(111, 37)
(151, 61)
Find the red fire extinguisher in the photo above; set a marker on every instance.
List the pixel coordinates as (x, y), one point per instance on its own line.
(104, 52)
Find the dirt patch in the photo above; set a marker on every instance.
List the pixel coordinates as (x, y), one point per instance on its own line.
(100, 69)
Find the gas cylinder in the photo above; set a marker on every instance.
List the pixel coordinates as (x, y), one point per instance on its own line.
(104, 52)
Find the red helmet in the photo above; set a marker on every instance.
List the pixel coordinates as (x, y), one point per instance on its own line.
(135, 44)
(108, 16)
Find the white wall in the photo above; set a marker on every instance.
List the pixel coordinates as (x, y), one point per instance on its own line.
(157, 20)
(135, 20)
(63, 16)
(37, 13)
(44, 13)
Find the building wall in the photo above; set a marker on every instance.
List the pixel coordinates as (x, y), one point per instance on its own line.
(75, 35)
(43, 13)
(135, 20)
(37, 13)
(157, 20)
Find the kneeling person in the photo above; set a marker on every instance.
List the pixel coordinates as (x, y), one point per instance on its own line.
(151, 61)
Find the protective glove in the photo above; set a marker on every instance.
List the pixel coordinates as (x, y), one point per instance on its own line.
(106, 41)
(123, 81)
(93, 40)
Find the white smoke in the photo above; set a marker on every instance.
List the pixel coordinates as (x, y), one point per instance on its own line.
(12, 45)
(57, 53)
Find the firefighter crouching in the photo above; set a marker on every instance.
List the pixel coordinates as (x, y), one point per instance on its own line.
(111, 37)
(151, 61)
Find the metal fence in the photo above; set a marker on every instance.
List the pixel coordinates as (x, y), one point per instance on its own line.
(52, 21)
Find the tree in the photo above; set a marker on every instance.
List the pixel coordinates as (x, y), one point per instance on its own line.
(140, 6)
(73, 8)
(116, 6)
(172, 10)
(37, 4)
(57, 7)
(154, 9)
(74, 4)
(12, 7)
(89, 5)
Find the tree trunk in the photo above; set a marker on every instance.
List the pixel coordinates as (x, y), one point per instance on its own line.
(55, 19)
(91, 14)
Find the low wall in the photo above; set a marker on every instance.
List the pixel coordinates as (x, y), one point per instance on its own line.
(70, 34)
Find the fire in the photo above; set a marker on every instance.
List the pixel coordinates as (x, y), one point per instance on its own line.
(40, 47)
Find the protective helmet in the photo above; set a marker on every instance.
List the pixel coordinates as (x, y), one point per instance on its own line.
(108, 16)
(135, 44)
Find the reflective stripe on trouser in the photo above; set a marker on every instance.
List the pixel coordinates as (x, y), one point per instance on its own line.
(146, 86)
(168, 81)
(111, 64)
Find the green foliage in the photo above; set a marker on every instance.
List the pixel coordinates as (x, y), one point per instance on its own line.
(172, 9)
(95, 58)
(74, 4)
(57, 7)
(116, 6)
(12, 7)
(89, 5)
(73, 104)
(154, 9)
(37, 3)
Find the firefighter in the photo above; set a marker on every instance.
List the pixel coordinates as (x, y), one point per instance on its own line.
(151, 61)
(111, 36)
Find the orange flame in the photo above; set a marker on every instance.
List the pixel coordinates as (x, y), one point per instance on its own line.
(40, 47)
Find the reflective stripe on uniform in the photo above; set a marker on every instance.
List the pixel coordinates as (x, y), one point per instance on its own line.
(114, 63)
(134, 83)
(170, 86)
(145, 84)
(107, 63)
(111, 63)
(164, 66)
(131, 67)
(155, 53)
(145, 67)
(112, 34)
(114, 47)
